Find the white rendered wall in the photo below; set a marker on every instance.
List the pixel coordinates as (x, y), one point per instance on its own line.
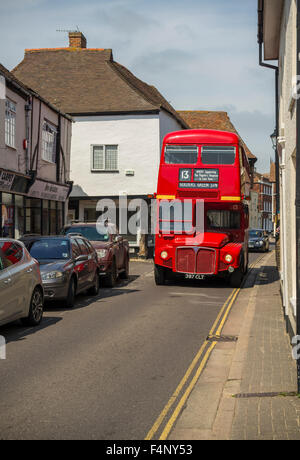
(138, 140)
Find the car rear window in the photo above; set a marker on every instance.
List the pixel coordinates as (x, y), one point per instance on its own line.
(50, 249)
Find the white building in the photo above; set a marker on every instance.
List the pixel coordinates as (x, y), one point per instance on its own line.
(120, 122)
(278, 36)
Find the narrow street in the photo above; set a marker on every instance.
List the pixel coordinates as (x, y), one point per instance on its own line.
(107, 368)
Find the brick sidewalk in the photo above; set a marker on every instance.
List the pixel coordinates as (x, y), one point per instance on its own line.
(268, 368)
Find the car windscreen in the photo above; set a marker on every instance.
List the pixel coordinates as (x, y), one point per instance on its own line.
(255, 234)
(89, 232)
(181, 154)
(50, 249)
(218, 155)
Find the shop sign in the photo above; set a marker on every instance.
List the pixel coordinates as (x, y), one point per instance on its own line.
(6, 180)
(48, 191)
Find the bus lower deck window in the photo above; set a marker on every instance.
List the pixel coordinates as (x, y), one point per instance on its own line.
(181, 154)
(223, 219)
(218, 155)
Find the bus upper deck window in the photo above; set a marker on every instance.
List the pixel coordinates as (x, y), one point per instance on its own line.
(181, 154)
(218, 155)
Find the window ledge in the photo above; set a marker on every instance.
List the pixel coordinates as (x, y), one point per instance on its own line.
(48, 161)
(104, 171)
(11, 147)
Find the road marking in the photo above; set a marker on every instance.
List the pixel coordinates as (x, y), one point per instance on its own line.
(191, 368)
(173, 398)
(187, 393)
(217, 326)
(192, 294)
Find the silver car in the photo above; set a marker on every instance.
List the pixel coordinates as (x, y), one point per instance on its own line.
(21, 288)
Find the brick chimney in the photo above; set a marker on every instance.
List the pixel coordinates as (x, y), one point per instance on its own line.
(77, 40)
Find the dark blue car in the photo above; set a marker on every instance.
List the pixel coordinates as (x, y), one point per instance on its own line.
(258, 240)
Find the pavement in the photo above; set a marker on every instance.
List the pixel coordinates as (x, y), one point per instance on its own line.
(248, 389)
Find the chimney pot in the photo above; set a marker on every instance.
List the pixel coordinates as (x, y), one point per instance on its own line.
(77, 40)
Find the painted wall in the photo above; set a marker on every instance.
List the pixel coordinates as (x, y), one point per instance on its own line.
(138, 140)
(47, 170)
(287, 152)
(13, 158)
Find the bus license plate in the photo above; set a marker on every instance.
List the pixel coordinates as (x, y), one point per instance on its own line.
(189, 276)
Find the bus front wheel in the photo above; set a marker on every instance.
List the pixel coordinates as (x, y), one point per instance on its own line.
(159, 275)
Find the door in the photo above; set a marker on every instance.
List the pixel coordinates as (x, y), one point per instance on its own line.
(20, 278)
(93, 261)
(83, 267)
(6, 291)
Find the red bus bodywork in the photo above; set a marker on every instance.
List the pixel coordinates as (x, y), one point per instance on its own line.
(221, 245)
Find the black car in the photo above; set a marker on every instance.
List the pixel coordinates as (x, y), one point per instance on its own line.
(258, 240)
(68, 264)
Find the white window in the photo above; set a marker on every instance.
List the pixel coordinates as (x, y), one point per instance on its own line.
(104, 158)
(49, 140)
(10, 123)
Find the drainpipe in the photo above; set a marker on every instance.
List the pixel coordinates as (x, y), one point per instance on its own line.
(28, 109)
(272, 67)
(298, 196)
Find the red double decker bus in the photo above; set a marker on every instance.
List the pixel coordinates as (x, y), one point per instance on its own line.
(203, 218)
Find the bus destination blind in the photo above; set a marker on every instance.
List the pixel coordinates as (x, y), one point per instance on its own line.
(198, 178)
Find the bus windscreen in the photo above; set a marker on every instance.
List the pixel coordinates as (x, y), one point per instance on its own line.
(181, 154)
(218, 155)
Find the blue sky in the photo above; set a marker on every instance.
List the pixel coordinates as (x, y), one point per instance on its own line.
(201, 55)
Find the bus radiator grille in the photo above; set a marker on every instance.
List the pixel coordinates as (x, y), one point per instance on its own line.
(206, 261)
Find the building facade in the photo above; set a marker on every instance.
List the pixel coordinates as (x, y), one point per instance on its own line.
(120, 122)
(278, 36)
(34, 163)
(264, 189)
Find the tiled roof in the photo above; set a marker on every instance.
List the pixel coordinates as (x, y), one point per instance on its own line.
(87, 81)
(26, 89)
(212, 120)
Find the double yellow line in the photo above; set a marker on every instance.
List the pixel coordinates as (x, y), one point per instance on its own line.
(197, 361)
(215, 332)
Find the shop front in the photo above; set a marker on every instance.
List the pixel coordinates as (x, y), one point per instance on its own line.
(30, 208)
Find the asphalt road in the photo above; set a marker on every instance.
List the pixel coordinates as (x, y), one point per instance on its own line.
(105, 369)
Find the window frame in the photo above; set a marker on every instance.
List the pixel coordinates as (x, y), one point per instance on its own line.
(104, 170)
(10, 127)
(45, 142)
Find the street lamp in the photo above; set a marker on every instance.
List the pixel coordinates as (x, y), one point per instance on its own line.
(274, 139)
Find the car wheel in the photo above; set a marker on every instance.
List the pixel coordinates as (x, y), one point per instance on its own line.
(71, 294)
(111, 278)
(95, 289)
(159, 275)
(35, 310)
(125, 273)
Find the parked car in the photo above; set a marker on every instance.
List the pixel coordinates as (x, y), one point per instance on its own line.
(21, 287)
(258, 240)
(69, 265)
(112, 249)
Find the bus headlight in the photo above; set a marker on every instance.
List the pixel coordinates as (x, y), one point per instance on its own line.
(164, 255)
(228, 258)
